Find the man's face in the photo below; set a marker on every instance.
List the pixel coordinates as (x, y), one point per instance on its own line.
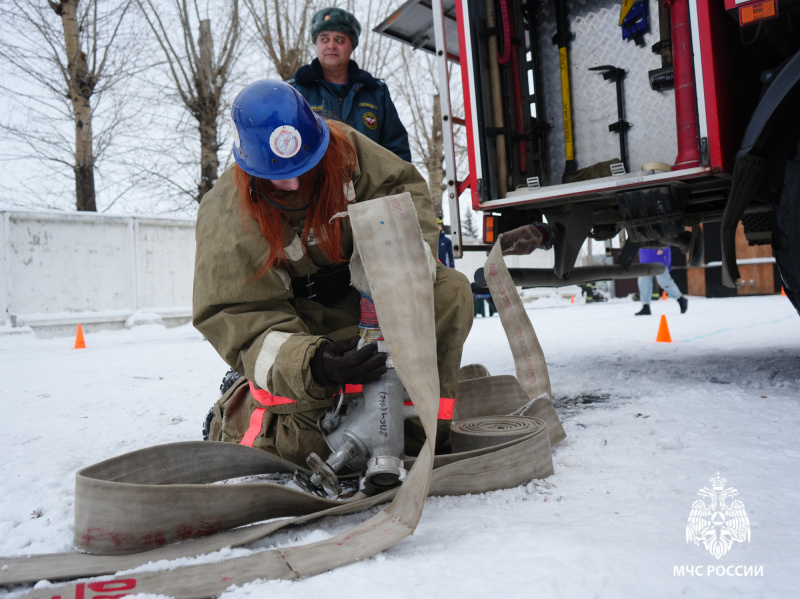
(334, 49)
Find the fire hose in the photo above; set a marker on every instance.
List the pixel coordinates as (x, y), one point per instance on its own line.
(133, 509)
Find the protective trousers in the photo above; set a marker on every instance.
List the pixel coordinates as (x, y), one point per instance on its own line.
(290, 431)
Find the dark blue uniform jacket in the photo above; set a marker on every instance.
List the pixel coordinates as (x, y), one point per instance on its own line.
(364, 104)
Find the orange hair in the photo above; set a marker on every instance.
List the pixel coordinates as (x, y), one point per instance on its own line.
(327, 178)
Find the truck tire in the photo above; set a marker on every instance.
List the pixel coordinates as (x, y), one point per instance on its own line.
(786, 236)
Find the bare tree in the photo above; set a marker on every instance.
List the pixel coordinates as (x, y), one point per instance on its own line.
(198, 74)
(418, 90)
(74, 63)
(375, 53)
(284, 27)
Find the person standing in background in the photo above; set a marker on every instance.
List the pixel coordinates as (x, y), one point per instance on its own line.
(336, 88)
(664, 256)
(445, 247)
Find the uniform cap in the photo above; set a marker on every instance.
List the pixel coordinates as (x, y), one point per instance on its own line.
(335, 19)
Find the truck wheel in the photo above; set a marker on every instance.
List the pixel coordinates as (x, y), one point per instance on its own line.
(786, 236)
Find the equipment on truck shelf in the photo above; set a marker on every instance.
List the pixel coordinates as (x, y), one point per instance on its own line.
(712, 86)
(621, 127)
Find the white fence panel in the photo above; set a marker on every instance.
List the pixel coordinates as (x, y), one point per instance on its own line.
(62, 269)
(165, 263)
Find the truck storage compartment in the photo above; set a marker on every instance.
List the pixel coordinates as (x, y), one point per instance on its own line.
(561, 123)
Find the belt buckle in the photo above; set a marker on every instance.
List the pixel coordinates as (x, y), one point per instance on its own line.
(309, 285)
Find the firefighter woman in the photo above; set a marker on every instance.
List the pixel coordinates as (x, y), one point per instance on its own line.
(272, 286)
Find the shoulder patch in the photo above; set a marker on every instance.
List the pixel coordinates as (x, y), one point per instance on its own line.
(370, 120)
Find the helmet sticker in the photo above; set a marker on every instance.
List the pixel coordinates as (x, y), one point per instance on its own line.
(370, 120)
(285, 141)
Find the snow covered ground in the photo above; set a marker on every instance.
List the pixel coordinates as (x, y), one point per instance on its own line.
(648, 425)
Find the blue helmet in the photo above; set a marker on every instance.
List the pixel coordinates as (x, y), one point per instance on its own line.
(276, 135)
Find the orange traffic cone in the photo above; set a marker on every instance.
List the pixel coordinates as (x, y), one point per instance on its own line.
(663, 331)
(572, 300)
(783, 292)
(79, 342)
(663, 295)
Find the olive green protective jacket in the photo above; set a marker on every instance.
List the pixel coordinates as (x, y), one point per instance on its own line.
(255, 323)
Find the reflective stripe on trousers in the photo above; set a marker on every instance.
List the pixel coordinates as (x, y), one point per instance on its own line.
(265, 398)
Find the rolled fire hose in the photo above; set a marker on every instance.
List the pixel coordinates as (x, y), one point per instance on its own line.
(480, 433)
(155, 496)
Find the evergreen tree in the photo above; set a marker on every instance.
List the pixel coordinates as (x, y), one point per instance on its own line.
(468, 227)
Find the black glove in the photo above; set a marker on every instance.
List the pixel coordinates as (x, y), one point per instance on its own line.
(524, 240)
(330, 366)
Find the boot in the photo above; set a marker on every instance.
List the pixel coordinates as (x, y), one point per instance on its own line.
(683, 303)
(645, 311)
(207, 424)
(227, 382)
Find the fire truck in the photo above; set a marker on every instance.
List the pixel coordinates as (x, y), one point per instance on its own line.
(647, 121)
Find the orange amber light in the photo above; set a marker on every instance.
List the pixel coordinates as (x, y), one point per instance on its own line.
(489, 231)
(759, 11)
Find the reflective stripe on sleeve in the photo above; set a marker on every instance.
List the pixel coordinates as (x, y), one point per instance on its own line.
(266, 357)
